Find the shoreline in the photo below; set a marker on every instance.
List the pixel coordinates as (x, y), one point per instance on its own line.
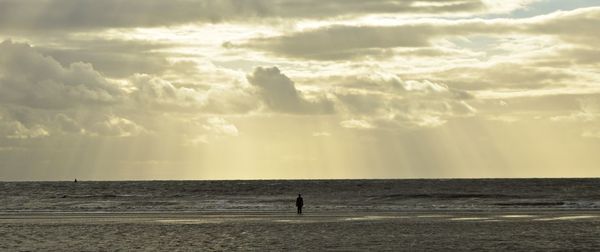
(269, 215)
(313, 231)
(320, 213)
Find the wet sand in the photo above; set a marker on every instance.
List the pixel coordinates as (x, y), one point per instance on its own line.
(380, 231)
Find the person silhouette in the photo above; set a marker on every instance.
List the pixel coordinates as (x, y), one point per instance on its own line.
(299, 203)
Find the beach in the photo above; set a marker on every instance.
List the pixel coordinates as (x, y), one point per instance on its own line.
(310, 232)
(343, 215)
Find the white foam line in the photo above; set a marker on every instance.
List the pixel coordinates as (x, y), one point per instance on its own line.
(433, 216)
(470, 218)
(372, 218)
(517, 216)
(295, 221)
(577, 217)
(188, 221)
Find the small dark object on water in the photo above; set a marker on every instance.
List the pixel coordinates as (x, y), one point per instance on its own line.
(299, 203)
(75, 181)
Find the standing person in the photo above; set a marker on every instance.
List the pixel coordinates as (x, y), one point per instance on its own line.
(299, 203)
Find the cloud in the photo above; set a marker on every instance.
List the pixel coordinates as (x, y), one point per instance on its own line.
(114, 126)
(588, 117)
(321, 134)
(561, 24)
(212, 128)
(279, 93)
(353, 41)
(589, 111)
(230, 100)
(158, 93)
(507, 6)
(29, 78)
(389, 102)
(68, 124)
(423, 113)
(340, 42)
(356, 124)
(111, 57)
(350, 41)
(91, 14)
(401, 82)
(591, 133)
(220, 127)
(502, 75)
(579, 56)
(16, 130)
(425, 99)
(17, 122)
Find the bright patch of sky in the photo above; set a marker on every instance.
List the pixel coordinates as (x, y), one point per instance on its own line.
(549, 6)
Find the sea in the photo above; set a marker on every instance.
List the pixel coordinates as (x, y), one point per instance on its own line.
(319, 195)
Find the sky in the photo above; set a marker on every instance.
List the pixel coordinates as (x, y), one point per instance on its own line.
(298, 89)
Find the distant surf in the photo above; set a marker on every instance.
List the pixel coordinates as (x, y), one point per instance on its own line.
(319, 195)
